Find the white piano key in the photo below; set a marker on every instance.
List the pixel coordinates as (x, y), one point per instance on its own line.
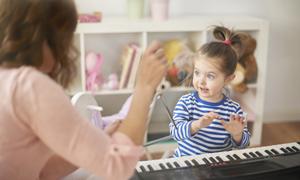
(172, 160)
(206, 155)
(223, 156)
(199, 160)
(138, 169)
(146, 168)
(156, 166)
(164, 162)
(153, 164)
(277, 148)
(296, 145)
(240, 153)
(138, 166)
(186, 158)
(181, 163)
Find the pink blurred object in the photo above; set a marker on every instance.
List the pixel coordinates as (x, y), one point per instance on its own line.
(159, 9)
(121, 115)
(112, 83)
(93, 64)
(89, 18)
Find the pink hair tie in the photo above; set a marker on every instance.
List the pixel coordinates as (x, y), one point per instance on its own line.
(227, 41)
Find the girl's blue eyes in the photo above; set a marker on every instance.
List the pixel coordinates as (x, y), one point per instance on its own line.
(209, 76)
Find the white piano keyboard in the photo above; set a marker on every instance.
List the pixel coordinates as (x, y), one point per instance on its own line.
(215, 159)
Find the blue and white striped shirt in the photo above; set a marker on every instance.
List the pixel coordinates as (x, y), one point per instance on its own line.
(213, 138)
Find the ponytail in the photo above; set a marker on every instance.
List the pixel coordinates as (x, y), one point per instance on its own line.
(225, 49)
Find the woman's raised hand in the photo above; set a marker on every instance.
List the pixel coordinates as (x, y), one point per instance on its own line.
(152, 68)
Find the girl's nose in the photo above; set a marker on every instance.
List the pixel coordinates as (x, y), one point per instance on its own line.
(202, 80)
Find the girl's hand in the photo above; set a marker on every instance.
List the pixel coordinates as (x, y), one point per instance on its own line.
(204, 121)
(235, 126)
(152, 68)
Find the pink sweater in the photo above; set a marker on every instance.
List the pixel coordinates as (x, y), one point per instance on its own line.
(37, 120)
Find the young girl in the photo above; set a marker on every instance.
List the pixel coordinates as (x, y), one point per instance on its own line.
(207, 120)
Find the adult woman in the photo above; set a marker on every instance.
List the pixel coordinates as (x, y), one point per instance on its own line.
(40, 131)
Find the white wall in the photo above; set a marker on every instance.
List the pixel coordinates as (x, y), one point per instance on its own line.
(283, 75)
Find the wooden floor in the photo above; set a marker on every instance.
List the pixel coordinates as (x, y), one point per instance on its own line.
(278, 133)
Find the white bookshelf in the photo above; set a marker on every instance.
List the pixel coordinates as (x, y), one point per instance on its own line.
(112, 34)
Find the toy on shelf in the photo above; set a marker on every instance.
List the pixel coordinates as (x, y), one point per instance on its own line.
(112, 83)
(179, 57)
(90, 18)
(93, 64)
(246, 71)
(184, 62)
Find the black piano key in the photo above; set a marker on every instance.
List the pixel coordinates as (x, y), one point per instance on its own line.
(269, 152)
(176, 164)
(298, 143)
(236, 156)
(290, 149)
(230, 158)
(212, 160)
(259, 154)
(295, 148)
(169, 165)
(195, 162)
(247, 155)
(275, 152)
(143, 168)
(162, 166)
(188, 163)
(206, 161)
(220, 159)
(253, 155)
(284, 150)
(150, 167)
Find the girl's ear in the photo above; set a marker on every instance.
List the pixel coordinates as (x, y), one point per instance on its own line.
(229, 78)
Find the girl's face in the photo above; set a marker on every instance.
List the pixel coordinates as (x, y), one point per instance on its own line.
(208, 80)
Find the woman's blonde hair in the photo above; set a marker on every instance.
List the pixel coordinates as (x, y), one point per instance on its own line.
(26, 24)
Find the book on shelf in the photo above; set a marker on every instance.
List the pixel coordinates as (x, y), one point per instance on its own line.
(129, 64)
(134, 69)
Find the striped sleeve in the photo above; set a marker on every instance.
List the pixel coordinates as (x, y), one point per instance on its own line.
(245, 142)
(181, 119)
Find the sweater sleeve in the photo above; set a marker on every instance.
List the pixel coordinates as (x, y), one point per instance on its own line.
(182, 130)
(42, 105)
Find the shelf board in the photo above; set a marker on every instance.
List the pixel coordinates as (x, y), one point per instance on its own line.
(105, 92)
(184, 23)
(129, 91)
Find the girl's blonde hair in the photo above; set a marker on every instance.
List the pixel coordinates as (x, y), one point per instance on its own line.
(26, 24)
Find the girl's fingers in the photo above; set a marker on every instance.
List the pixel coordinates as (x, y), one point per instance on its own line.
(243, 123)
(236, 117)
(231, 117)
(242, 119)
(213, 115)
(225, 124)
